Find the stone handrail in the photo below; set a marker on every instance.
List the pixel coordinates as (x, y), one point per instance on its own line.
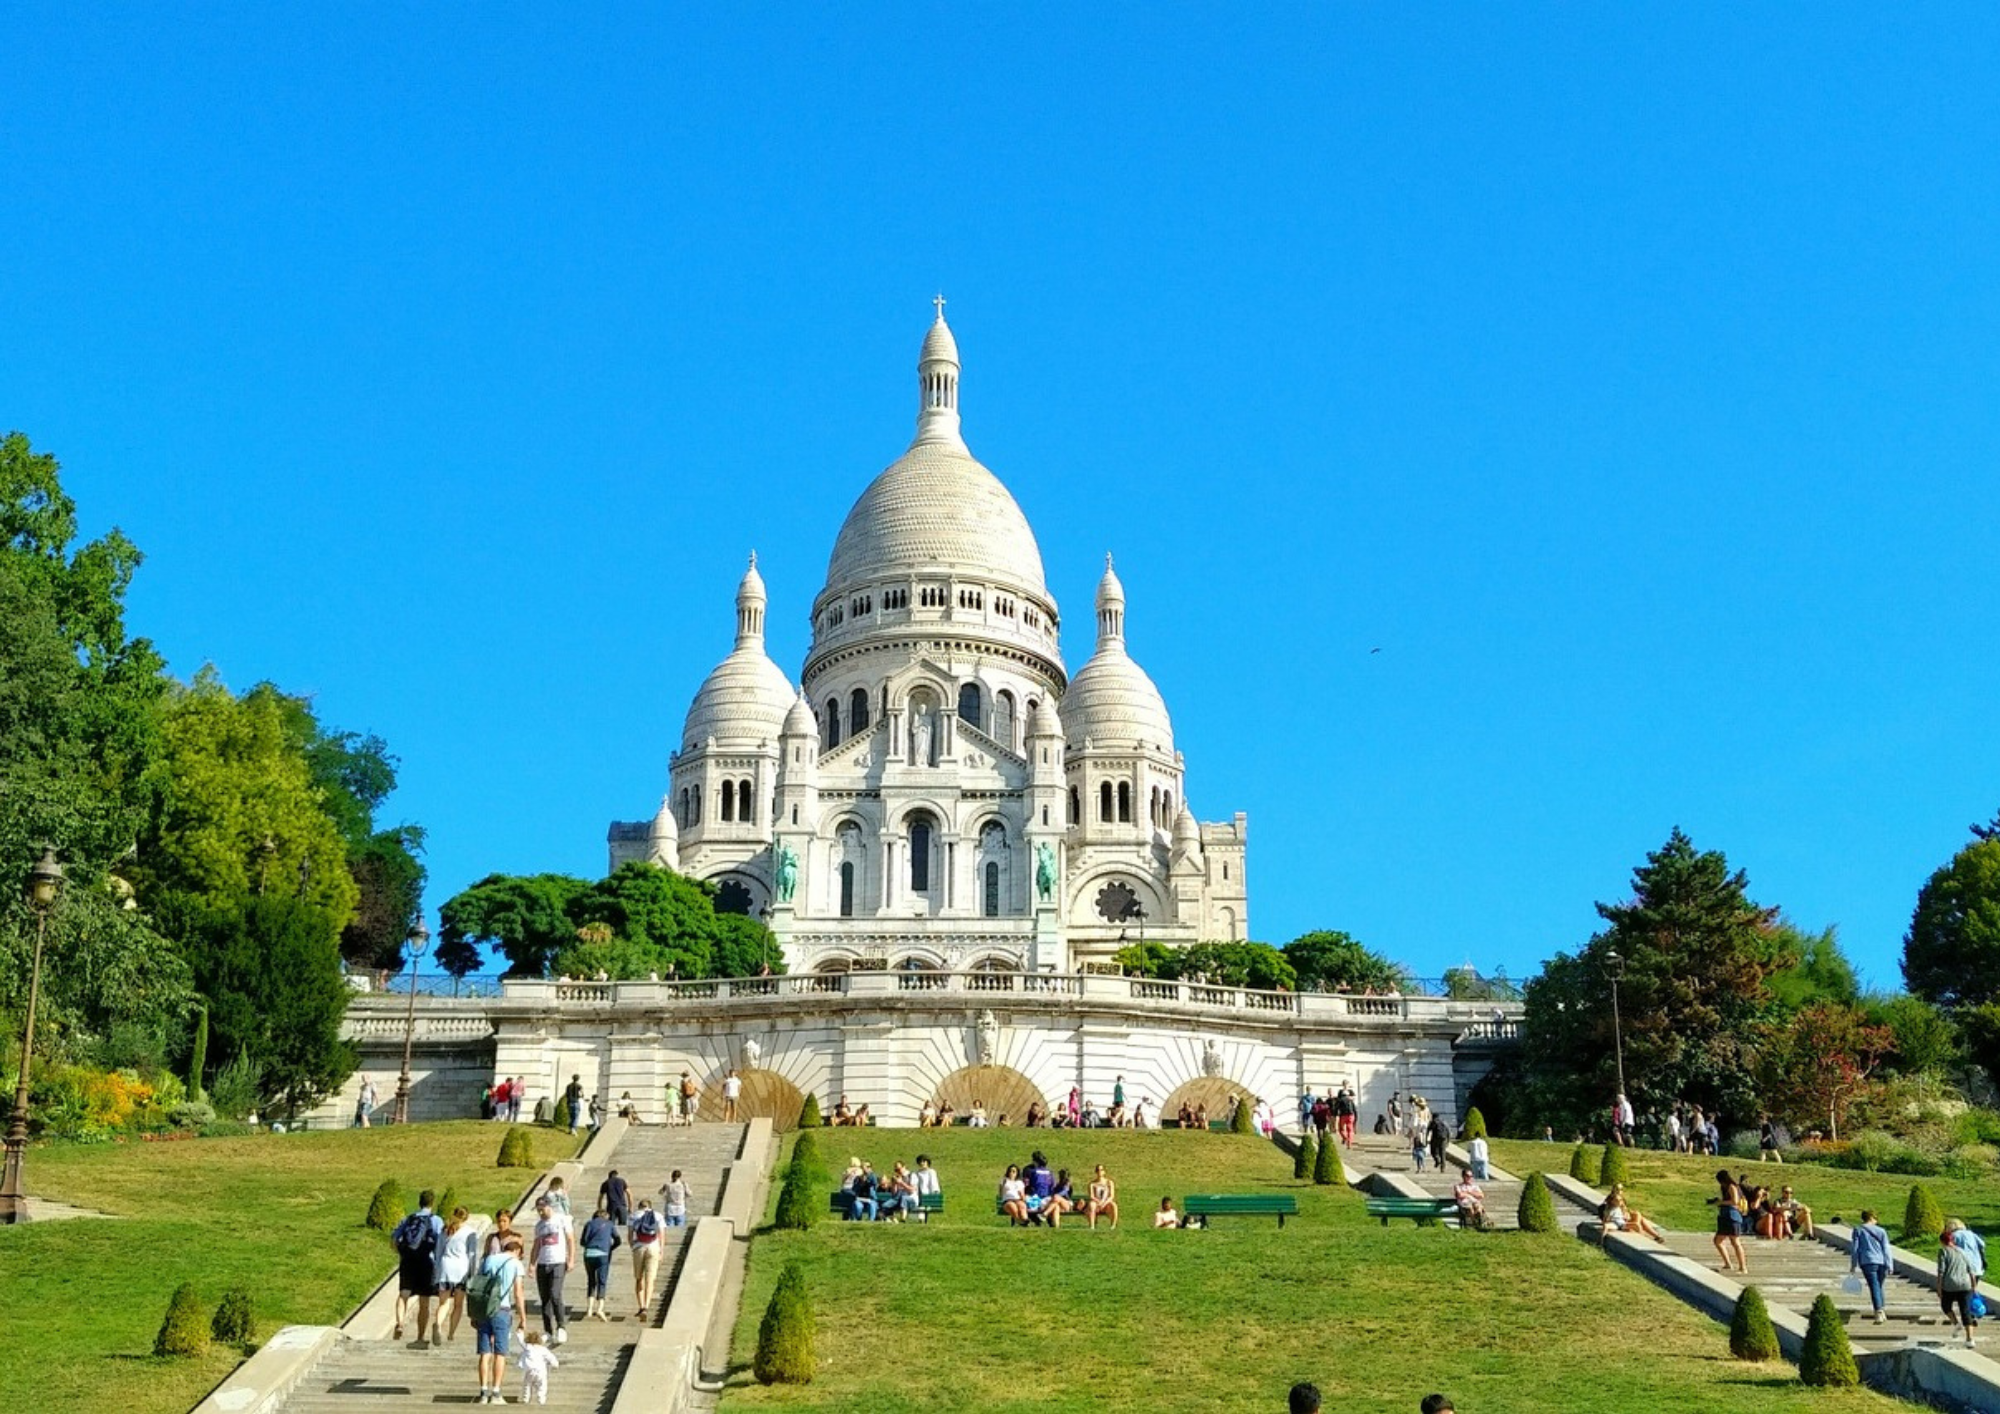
(445, 1018)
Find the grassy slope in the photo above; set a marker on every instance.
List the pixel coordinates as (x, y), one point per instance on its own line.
(969, 1314)
(1672, 1188)
(281, 1215)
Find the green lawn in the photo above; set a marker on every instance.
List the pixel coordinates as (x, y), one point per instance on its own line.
(970, 1314)
(280, 1214)
(1672, 1188)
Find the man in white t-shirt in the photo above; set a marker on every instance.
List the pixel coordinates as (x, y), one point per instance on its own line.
(732, 1089)
(1476, 1151)
(555, 1254)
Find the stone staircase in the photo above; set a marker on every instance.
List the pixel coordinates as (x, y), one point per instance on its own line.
(392, 1377)
(1384, 1154)
(1792, 1273)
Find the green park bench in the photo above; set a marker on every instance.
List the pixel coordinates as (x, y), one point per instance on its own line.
(1240, 1205)
(1419, 1208)
(841, 1201)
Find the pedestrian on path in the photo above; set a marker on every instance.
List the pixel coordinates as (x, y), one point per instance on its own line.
(1869, 1255)
(536, 1362)
(646, 1244)
(732, 1091)
(458, 1257)
(1955, 1281)
(364, 1104)
(416, 1240)
(675, 1193)
(555, 1257)
(1729, 1207)
(494, 1298)
(614, 1195)
(573, 1102)
(600, 1239)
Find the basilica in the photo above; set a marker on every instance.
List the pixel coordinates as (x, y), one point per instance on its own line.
(938, 792)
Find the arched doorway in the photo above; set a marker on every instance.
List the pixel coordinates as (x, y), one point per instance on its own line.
(1002, 1089)
(766, 1095)
(1213, 1093)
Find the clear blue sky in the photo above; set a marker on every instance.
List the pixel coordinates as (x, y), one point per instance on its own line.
(1629, 382)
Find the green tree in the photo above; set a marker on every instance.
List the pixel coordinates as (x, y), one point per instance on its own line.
(1331, 961)
(1536, 1211)
(385, 1208)
(526, 917)
(230, 782)
(270, 968)
(1696, 953)
(183, 1332)
(785, 1337)
(1815, 970)
(1227, 964)
(660, 922)
(1828, 1358)
(1951, 955)
(1925, 1039)
(1751, 1334)
(1816, 1063)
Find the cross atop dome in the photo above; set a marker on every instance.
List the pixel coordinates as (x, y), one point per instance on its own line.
(938, 300)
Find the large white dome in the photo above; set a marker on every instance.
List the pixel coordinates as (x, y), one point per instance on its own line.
(936, 508)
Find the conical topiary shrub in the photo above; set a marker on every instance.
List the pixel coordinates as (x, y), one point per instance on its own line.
(1327, 1168)
(1583, 1165)
(385, 1209)
(785, 1339)
(1827, 1359)
(1475, 1124)
(1537, 1212)
(809, 1113)
(517, 1149)
(1751, 1334)
(1612, 1168)
(1923, 1219)
(799, 1200)
(1243, 1121)
(235, 1320)
(184, 1332)
(1303, 1160)
(805, 1152)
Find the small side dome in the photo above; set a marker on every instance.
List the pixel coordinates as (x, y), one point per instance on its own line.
(664, 826)
(1111, 699)
(800, 721)
(744, 700)
(1187, 834)
(663, 839)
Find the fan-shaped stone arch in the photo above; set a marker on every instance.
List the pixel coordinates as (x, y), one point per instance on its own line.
(1214, 1093)
(766, 1095)
(1002, 1089)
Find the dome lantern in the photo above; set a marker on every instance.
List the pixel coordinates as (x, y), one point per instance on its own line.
(937, 385)
(1110, 606)
(750, 602)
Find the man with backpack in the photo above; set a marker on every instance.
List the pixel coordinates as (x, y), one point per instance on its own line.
(416, 1241)
(646, 1243)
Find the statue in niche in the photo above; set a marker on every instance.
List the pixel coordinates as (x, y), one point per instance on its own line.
(923, 736)
(986, 1037)
(1045, 870)
(750, 1052)
(788, 872)
(1211, 1059)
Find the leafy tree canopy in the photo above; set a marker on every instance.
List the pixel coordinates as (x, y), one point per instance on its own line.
(1332, 961)
(525, 917)
(1951, 955)
(231, 778)
(1257, 965)
(1925, 1039)
(1815, 970)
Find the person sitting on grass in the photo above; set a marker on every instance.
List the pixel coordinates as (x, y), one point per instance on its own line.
(843, 1113)
(1797, 1213)
(947, 1116)
(1101, 1199)
(1035, 1114)
(1166, 1216)
(1041, 1184)
(1471, 1200)
(1201, 1118)
(862, 1119)
(1061, 1198)
(927, 1117)
(1617, 1216)
(978, 1119)
(1014, 1196)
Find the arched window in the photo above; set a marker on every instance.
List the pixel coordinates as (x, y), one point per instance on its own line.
(847, 888)
(697, 803)
(1075, 807)
(1003, 719)
(745, 810)
(992, 891)
(728, 800)
(857, 711)
(851, 855)
(832, 722)
(1166, 807)
(921, 832)
(687, 808)
(971, 705)
(1104, 802)
(1124, 802)
(1153, 806)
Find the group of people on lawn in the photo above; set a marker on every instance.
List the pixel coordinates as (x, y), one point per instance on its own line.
(1038, 1196)
(872, 1197)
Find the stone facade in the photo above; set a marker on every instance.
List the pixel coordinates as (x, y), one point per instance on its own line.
(892, 1040)
(938, 793)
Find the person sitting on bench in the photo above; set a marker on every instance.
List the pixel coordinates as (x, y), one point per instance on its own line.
(902, 1192)
(1471, 1200)
(864, 1206)
(1014, 1196)
(926, 1181)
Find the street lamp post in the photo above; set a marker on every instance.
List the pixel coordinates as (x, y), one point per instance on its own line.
(44, 882)
(420, 938)
(1614, 965)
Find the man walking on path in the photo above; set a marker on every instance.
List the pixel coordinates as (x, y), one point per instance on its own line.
(1440, 1135)
(732, 1090)
(555, 1255)
(614, 1195)
(416, 1241)
(688, 1092)
(1345, 1112)
(573, 1101)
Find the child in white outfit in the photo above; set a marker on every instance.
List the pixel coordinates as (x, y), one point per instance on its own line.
(536, 1362)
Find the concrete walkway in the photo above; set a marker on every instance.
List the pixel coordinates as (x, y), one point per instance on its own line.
(384, 1376)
